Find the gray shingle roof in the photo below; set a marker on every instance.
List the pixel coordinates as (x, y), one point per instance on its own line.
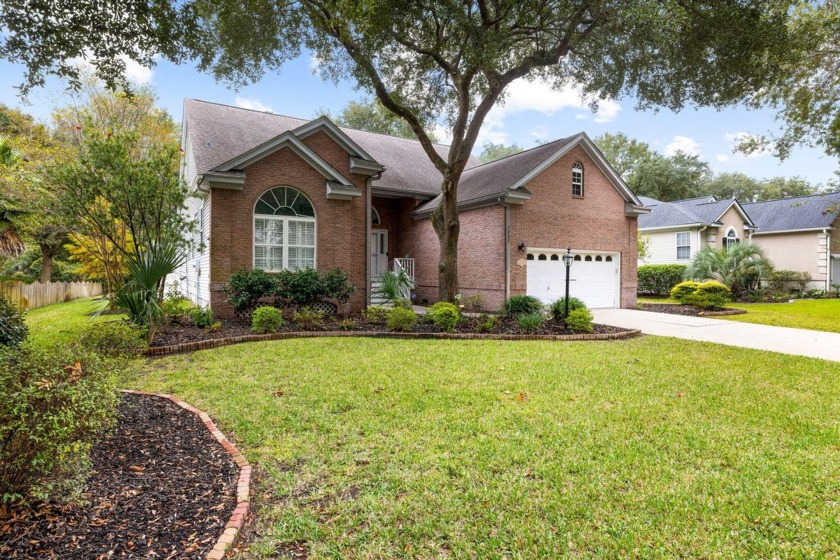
(685, 212)
(496, 177)
(221, 132)
(800, 212)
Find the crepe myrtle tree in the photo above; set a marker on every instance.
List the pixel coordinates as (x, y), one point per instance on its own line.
(443, 61)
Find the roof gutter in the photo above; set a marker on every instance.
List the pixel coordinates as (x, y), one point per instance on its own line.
(803, 230)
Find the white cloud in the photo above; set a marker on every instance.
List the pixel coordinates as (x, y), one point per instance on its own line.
(735, 138)
(253, 104)
(723, 158)
(135, 72)
(684, 144)
(442, 133)
(538, 95)
(540, 133)
(314, 64)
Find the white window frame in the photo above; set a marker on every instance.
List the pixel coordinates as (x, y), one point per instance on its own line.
(285, 220)
(687, 245)
(729, 238)
(285, 245)
(577, 168)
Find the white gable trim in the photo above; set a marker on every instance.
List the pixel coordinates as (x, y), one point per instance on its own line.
(597, 157)
(324, 124)
(286, 140)
(740, 210)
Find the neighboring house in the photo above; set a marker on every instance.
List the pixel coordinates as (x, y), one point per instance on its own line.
(276, 192)
(677, 230)
(801, 233)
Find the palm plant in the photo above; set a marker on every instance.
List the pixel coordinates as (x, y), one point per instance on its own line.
(10, 242)
(393, 286)
(142, 296)
(740, 266)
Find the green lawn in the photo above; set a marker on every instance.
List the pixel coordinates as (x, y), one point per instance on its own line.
(643, 448)
(64, 322)
(650, 447)
(815, 314)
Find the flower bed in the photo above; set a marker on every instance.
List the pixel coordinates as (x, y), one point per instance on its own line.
(690, 310)
(177, 334)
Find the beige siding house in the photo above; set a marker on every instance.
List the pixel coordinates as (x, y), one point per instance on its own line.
(801, 233)
(677, 230)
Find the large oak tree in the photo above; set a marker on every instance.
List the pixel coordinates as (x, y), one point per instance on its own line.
(449, 61)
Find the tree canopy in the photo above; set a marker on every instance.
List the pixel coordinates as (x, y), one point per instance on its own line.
(492, 152)
(370, 115)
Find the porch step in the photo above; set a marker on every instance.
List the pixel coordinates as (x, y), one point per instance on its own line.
(377, 299)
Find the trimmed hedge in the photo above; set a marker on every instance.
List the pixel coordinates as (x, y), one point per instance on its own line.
(658, 279)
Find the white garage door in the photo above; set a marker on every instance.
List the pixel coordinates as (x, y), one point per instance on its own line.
(593, 277)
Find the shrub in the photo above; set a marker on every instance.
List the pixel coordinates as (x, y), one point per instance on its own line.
(175, 306)
(402, 302)
(266, 319)
(531, 322)
(401, 320)
(246, 287)
(487, 323)
(376, 314)
(683, 290)
(13, 329)
(114, 339)
(474, 303)
(558, 308)
(56, 403)
(444, 315)
(801, 279)
(202, 317)
(306, 287)
(740, 266)
(308, 319)
(515, 306)
(781, 280)
(709, 295)
(658, 279)
(580, 321)
(347, 324)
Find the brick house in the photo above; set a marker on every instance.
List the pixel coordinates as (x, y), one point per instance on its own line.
(277, 192)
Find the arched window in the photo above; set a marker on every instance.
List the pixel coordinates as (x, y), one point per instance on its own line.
(588, 258)
(577, 257)
(530, 256)
(541, 257)
(577, 179)
(284, 231)
(374, 217)
(731, 238)
(598, 258)
(555, 257)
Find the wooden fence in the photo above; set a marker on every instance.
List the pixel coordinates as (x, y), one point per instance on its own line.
(31, 296)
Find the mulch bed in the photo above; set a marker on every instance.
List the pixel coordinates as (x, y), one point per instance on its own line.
(161, 487)
(676, 309)
(181, 333)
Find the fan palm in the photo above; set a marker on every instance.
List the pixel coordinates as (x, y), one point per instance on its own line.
(10, 242)
(740, 266)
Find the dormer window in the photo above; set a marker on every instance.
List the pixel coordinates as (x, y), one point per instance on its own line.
(577, 179)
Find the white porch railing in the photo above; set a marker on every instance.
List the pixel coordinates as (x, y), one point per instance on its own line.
(405, 265)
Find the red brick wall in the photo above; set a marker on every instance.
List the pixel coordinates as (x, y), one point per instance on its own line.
(553, 218)
(340, 224)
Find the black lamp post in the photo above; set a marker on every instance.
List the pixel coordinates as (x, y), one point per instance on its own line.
(567, 260)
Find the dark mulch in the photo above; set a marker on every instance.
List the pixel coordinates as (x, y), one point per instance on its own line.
(161, 487)
(179, 333)
(676, 309)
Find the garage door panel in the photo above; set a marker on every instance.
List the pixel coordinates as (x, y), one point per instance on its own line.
(593, 281)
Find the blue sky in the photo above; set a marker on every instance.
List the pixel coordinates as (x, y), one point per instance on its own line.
(532, 112)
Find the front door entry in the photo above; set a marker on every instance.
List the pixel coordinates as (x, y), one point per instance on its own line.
(378, 252)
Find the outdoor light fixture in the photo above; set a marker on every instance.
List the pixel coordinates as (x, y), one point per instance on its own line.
(521, 246)
(568, 258)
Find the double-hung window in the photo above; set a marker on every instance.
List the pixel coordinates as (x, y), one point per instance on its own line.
(683, 245)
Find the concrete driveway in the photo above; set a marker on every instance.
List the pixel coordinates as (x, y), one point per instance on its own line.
(799, 342)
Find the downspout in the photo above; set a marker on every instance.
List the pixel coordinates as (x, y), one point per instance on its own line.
(507, 251)
(700, 237)
(368, 205)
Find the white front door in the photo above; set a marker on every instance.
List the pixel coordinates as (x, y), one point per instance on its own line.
(593, 277)
(378, 252)
(835, 269)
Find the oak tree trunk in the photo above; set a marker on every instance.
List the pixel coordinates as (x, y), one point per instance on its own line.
(47, 254)
(447, 226)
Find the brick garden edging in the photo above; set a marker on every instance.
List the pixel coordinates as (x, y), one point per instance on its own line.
(217, 342)
(243, 485)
